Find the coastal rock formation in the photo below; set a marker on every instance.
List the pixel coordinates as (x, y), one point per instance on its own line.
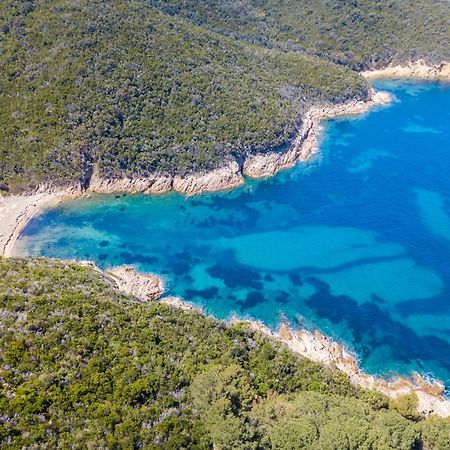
(255, 166)
(306, 143)
(413, 70)
(226, 177)
(177, 302)
(320, 348)
(154, 184)
(141, 285)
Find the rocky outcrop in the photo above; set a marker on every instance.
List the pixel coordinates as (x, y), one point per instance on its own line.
(320, 348)
(143, 286)
(226, 177)
(254, 166)
(177, 302)
(154, 184)
(306, 142)
(418, 70)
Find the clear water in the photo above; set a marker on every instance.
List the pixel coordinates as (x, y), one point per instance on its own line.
(355, 242)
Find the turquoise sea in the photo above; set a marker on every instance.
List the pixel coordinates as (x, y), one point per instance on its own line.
(356, 242)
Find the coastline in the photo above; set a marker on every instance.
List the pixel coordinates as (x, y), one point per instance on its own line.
(417, 70)
(322, 349)
(309, 344)
(306, 143)
(17, 211)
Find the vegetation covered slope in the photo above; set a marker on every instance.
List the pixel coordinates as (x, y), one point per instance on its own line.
(84, 366)
(138, 86)
(362, 34)
(137, 91)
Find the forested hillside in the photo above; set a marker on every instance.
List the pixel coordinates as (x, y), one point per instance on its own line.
(84, 366)
(134, 87)
(361, 34)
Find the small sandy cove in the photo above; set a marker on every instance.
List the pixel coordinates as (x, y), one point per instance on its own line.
(17, 210)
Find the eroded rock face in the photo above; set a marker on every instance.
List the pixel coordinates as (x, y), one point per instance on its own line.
(306, 143)
(320, 348)
(226, 177)
(143, 286)
(413, 70)
(257, 166)
(179, 303)
(154, 184)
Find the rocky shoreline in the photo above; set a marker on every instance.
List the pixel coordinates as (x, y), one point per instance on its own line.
(417, 70)
(320, 348)
(17, 211)
(226, 177)
(306, 143)
(256, 166)
(313, 345)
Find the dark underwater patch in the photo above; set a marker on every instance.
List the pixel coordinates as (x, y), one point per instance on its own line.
(372, 327)
(295, 278)
(253, 298)
(180, 267)
(282, 297)
(207, 294)
(185, 256)
(103, 243)
(234, 277)
(130, 258)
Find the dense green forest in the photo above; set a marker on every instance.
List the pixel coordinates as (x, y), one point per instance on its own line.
(132, 86)
(362, 34)
(84, 366)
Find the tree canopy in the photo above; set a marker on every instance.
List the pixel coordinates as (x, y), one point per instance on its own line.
(132, 87)
(85, 366)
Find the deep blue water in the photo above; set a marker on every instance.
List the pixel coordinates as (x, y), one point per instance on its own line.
(355, 242)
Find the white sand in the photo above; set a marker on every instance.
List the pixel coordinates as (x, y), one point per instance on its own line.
(17, 210)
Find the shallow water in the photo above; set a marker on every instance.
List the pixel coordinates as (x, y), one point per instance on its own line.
(355, 242)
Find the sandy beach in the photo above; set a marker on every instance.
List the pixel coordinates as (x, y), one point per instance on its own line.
(17, 210)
